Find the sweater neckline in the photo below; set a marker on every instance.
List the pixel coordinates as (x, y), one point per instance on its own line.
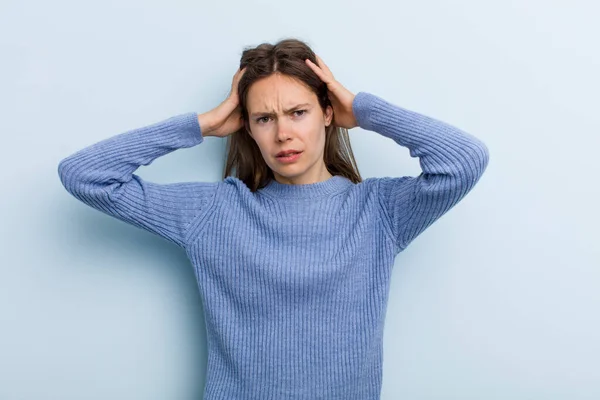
(326, 188)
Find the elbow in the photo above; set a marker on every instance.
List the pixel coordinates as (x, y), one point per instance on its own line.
(481, 158)
(474, 158)
(63, 173)
(86, 182)
(69, 173)
(478, 160)
(473, 163)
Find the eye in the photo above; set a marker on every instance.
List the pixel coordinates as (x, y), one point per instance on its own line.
(300, 111)
(259, 120)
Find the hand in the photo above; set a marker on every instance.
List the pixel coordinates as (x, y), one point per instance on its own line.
(341, 98)
(226, 118)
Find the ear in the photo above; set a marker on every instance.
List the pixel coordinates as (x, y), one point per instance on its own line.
(328, 115)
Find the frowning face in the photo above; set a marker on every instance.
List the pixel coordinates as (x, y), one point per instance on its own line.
(284, 114)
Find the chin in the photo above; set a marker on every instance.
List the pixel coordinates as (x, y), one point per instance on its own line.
(289, 172)
(288, 175)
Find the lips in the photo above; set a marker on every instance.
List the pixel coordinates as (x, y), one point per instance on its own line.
(289, 157)
(286, 153)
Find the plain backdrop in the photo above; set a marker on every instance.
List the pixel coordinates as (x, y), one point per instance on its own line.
(499, 299)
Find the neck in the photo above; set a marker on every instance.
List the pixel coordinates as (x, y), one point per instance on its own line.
(308, 191)
(304, 179)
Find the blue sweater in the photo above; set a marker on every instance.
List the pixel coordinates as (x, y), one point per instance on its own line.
(294, 278)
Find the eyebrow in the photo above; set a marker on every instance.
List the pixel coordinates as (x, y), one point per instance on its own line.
(264, 113)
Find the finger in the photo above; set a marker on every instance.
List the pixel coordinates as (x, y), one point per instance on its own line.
(239, 74)
(320, 73)
(236, 80)
(315, 68)
(323, 66)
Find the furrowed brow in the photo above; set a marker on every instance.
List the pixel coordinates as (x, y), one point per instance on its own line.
(257, 114)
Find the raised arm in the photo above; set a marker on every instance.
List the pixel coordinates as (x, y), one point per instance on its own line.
(102, 176)
(452, 161)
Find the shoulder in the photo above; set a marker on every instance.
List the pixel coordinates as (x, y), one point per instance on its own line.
(367, 187)
(230, 188)
(363, 195)
(381, 190)
(233, 188)
(234, 183)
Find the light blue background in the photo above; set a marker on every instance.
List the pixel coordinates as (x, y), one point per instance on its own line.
(499, 299)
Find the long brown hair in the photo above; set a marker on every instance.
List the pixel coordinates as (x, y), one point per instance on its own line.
(243, 154)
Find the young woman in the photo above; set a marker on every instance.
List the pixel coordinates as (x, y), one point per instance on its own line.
(293, 253)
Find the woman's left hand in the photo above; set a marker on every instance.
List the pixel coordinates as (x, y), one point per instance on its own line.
(341, 98)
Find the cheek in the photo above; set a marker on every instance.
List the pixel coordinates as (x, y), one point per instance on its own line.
(317, 138)
(313, 132)
(265, 148)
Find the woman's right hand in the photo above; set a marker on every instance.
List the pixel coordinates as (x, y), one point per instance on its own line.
(226, 118)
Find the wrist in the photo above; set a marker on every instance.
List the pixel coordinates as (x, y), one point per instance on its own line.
(206, 125)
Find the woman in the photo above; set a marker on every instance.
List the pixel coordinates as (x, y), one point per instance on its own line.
(293, 254)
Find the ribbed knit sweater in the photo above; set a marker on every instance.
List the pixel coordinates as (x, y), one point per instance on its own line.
(294, 278)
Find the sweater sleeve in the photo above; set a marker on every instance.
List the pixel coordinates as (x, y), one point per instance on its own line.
(102, 176)
(452, 161)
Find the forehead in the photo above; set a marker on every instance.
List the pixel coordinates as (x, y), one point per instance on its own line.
(278, 92)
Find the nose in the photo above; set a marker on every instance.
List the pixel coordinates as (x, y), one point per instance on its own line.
(283, 130)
